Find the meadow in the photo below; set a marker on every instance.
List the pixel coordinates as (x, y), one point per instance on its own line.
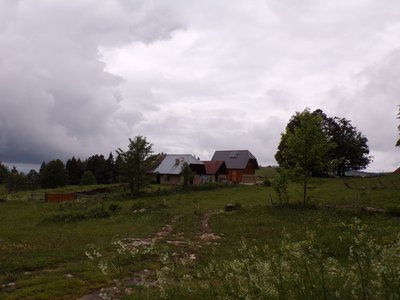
(181, 244)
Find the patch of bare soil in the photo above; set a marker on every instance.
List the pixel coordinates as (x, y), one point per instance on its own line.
(120, 288)
(207, 234)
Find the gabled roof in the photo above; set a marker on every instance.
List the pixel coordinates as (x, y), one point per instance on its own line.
(173, 163)
(397, 171)
(235, 159)
(213, 166)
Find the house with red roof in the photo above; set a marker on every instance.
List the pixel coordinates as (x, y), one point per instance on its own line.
(215, 170)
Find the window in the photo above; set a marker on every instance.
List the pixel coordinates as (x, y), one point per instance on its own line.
(233, 154)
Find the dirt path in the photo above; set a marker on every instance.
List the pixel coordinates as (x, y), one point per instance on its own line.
(119, 288)
(207, 235)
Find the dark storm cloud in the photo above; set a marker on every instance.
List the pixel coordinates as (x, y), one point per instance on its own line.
(56, 97)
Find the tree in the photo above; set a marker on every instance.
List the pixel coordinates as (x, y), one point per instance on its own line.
(53, 174)
(110, 169)
(187, 174)
(118, 167)
(16, 181)
(350, 151)
(306, 148)
(98, 165)
(136, 162)
(88, 178)
(3, 173)
(75, 170)
(33, 180)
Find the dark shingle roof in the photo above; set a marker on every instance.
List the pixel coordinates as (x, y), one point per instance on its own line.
(234, 159)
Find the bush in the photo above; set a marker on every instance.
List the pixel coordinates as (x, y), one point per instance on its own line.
(113, 207)
(66, 217)
(267, 182)
(393, 210)
(137, 205)
(98, 213)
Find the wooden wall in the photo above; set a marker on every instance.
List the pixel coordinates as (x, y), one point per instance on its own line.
(235, 175)
(56, 198)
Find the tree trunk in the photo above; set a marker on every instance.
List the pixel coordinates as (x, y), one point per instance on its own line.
(305, 190)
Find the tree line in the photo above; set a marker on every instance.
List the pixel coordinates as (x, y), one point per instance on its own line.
(94, 170)
(129, 167)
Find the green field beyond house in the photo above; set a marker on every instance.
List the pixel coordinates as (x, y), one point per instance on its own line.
(181, 243)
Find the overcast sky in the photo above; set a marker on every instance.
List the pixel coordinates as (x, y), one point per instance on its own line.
(80, 77)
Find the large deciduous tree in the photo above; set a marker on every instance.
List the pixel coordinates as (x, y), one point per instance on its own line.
(350, 151)
(136, 162)
(306, 147)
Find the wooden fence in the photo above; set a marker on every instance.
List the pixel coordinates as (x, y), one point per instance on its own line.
(56, 198)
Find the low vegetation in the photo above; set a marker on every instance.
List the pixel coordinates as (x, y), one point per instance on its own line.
(182, 244)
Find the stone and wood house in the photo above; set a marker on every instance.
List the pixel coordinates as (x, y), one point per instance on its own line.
(169, 170)
(241, 165)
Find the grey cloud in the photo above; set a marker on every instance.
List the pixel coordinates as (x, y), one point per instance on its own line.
(56, 97)
(80, 77)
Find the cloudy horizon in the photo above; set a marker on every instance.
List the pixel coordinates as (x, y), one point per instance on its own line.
(79, 78)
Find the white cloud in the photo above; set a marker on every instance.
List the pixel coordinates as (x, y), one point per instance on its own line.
(80, 77)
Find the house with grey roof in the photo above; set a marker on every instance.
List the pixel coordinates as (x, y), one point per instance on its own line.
(169, 170)
(241, 165)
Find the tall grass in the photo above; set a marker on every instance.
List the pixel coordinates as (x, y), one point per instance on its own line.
(297, 270)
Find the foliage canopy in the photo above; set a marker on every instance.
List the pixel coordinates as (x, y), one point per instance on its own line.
(306, 147)
(350, 151)
(136, 162)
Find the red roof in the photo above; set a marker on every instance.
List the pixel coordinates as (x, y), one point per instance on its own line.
(212, 167)
(397, 171)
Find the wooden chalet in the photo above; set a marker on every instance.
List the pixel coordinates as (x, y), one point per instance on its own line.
(241, 165)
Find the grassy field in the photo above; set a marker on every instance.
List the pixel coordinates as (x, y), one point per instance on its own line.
(181, 244)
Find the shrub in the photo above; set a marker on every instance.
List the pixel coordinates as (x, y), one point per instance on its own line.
(66, 217)
(137, 205)
(113, 207)
(267, 182)
(393, 210)
(98, 213)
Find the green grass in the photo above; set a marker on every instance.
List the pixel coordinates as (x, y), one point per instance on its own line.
(268, 172)
(32, 240)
